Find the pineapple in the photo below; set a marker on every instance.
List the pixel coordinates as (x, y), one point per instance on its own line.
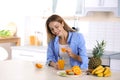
(97, 52)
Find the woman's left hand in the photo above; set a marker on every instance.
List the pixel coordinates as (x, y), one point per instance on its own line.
(72, 55)
(69, 51)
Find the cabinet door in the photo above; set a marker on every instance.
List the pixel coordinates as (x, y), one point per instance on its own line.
(115, 64)
(66, 7)
(101, 3)
(92, 3)
(29, 55)
(110, 3)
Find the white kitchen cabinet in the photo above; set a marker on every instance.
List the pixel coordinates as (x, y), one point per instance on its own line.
(115, 62)
(101, 5)
(93, 3)
(29, 53)
(109, 3)
(73, 7)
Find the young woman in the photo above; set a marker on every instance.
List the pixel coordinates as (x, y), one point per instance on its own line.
(59, 34)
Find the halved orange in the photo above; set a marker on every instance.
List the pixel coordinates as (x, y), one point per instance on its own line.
(76, 70)
(38, 65)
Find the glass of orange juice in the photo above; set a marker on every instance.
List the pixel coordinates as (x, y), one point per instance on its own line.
(61, 64)
(32, 40)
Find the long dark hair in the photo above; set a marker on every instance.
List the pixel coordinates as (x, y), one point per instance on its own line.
(59, 19)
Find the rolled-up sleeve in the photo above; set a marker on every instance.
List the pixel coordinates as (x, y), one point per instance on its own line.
(82, 52)
(79, 48)
(50, 53)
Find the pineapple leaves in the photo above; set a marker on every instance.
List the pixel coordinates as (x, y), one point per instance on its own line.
(98, 50)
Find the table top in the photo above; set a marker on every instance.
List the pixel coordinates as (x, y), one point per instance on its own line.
(106, 54)
(116, 56)
(26, 70)
(11, 40)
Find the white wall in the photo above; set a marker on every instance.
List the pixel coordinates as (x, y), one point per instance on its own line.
(100, 27)
(108, 31)
(95, 27)
(35, 24)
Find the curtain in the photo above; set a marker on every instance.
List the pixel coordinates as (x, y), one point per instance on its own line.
(54, 5)
(78, 10)
(79, 7)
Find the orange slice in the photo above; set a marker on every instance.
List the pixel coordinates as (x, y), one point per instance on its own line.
(38, 65)
(63, 50)
(76, 70)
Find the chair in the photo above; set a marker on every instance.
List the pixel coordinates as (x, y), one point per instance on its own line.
(3, 54)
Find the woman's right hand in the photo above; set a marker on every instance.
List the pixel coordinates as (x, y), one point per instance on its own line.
(55, 65)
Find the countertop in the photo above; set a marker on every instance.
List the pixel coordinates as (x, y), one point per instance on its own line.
(106, 54)
(26, 70)
(115, 56)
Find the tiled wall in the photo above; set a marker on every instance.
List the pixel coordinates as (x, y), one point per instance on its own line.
(108, 31)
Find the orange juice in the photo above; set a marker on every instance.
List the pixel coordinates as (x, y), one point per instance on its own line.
(32, 40)
(61, 64)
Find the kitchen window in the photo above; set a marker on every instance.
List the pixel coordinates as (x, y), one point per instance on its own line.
(68, 7)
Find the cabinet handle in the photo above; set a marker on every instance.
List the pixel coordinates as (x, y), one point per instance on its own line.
(26, 55)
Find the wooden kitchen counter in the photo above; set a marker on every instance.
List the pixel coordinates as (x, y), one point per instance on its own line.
(15, 40)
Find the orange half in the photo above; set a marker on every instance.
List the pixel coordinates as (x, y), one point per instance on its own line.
(63, 50)
(38, 65)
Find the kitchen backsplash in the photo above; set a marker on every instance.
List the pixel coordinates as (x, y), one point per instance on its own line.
(108, 31)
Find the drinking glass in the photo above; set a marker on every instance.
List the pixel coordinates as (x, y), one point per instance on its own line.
(61, 64)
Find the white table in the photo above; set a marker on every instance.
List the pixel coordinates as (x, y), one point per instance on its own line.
(26, 70)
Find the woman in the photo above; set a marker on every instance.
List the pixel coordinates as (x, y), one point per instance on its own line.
(59, 34)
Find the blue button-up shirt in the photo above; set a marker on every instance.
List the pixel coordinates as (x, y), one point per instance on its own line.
(76, 42)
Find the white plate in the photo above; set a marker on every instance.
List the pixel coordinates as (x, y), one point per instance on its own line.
(63, 71)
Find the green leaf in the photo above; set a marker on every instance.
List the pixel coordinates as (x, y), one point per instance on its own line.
(98, 50)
